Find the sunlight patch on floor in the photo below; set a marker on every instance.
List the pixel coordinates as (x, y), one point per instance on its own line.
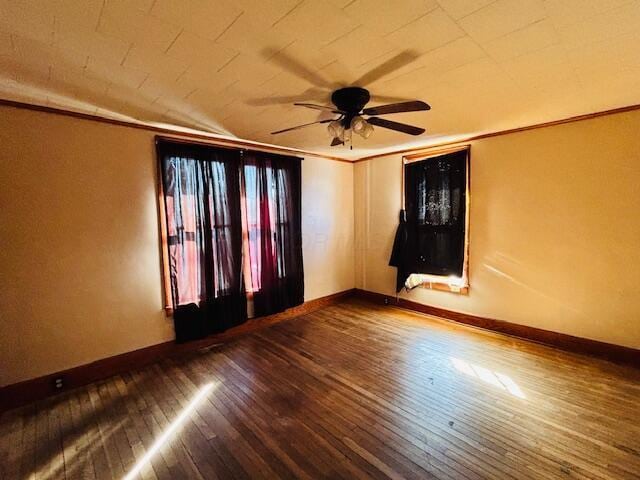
(497, 379)
(166, 435)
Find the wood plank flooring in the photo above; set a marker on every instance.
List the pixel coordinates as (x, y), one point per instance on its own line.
(350, 391)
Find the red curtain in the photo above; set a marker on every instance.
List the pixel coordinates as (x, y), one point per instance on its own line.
(273, 225)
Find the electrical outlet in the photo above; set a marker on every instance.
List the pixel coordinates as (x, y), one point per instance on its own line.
(386, 300)
(58, 383)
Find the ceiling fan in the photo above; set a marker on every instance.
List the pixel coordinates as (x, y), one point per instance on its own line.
(349, 105)
(349, 102)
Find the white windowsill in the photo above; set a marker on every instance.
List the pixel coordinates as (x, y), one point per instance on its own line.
(438, 282)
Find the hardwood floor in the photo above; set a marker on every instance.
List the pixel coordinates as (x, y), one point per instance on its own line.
(350, 391)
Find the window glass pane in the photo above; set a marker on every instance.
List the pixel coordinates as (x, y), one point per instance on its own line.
(253, 223)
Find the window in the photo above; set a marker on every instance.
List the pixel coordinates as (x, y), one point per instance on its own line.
(272, 215)
(278, 220)
(231, 226)
(203, 225)
(436, 202)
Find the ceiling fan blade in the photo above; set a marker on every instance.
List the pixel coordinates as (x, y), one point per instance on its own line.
(302, 126)
(413, 106)
(394, 63)
(400, 127)
(387, 98)
(336, 141)
(319, 107)
(293, 66)
(311, 94)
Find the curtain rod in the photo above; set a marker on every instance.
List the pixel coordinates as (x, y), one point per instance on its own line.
(187, 141)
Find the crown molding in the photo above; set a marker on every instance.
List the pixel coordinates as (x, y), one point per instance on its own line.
(212, 139)
(415, 151)
(176, 134)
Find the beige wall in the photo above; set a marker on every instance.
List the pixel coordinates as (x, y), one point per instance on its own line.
(555, 229)
(327, 226)
(554, 235)
(79, 255)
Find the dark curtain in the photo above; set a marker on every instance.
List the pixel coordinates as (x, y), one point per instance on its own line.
(272, 185)
(435, 200)
(201, 187)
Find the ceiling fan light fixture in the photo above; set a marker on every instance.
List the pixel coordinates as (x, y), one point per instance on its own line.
(367, 131)
(335, 129)
(358, 124)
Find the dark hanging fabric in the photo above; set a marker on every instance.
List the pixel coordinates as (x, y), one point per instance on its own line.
(201, 187)
(435, 201)
(272, 186)
(400, 257)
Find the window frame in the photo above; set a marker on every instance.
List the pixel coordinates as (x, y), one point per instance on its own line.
(441, 282)
(164, 242)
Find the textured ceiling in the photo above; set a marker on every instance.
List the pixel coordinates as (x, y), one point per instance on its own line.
(235, 67)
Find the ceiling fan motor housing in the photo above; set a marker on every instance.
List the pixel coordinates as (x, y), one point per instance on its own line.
(350, 100)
